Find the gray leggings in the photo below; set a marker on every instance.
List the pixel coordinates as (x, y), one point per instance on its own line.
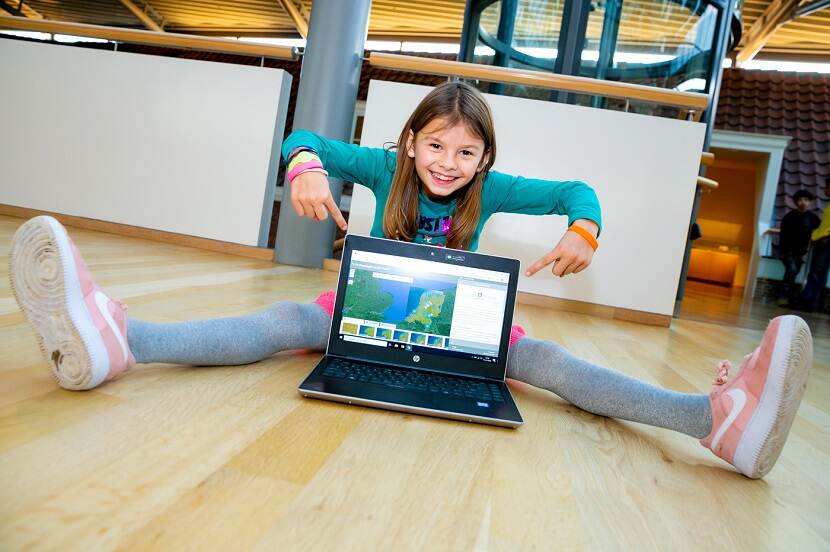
(284, 326)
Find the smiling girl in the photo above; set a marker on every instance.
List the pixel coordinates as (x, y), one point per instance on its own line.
(436, 187)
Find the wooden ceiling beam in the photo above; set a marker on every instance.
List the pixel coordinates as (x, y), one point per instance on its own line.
(22, 9)
(294, 12)
(142, 16)
(776, 14)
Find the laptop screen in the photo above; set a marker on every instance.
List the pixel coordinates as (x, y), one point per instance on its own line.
(421, 306)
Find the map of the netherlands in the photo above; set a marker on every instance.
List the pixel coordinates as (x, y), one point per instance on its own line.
(433, 312)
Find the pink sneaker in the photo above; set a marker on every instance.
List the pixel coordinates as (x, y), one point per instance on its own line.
(752, 415)
(81, 331)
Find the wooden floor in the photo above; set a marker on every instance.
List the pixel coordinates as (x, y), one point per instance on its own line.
(723, 305)
(176, 458)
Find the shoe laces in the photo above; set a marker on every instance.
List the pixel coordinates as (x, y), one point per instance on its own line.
(723, 372)
(723, 369)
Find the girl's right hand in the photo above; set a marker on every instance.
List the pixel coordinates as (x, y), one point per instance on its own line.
(311, 197)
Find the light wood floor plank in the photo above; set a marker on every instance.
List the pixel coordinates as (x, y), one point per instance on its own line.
(171, 457)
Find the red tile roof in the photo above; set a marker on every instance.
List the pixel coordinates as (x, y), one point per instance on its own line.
(784, 104)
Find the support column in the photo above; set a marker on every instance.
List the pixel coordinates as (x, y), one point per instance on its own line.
(507, 22)
(469, 32)
(607, 44)
(329, 79)
(719, 51)
(571, 43)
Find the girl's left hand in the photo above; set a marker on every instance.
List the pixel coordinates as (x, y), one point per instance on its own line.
(571, 255)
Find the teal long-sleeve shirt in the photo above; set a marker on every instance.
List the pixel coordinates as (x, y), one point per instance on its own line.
(502, 193)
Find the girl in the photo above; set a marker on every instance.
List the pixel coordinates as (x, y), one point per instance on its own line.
(437, 189)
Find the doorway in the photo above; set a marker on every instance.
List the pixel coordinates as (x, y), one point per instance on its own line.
(736, 225)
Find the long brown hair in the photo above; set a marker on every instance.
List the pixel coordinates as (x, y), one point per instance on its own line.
(455, 102)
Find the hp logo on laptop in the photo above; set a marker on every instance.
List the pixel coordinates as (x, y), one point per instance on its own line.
(416, 358)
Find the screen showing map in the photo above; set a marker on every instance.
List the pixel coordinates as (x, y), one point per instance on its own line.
(420, 305)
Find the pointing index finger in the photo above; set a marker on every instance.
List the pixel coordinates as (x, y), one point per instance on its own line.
(542, 263)
(335, 213)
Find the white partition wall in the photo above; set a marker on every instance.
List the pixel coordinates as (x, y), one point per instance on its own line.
(178, 145)
(643, 169)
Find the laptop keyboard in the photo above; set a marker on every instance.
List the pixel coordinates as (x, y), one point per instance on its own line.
(411, 379)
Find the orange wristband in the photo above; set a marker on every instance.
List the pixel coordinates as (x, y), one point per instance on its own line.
(592, 241)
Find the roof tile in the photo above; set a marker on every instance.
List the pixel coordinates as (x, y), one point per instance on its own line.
(784, 104)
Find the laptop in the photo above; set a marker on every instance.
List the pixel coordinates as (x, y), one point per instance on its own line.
(420, 329)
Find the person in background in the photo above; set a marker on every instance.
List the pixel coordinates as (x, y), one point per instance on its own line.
(796, 230)
(810, 298)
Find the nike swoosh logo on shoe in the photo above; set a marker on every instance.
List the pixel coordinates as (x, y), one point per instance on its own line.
(738, 402)
(101, 301)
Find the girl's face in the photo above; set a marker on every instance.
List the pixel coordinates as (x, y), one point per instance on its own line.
(446, 157)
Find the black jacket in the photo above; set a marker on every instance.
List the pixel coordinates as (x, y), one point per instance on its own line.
(796, 228)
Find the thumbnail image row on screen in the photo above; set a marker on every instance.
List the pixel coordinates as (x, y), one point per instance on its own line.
(401, 336)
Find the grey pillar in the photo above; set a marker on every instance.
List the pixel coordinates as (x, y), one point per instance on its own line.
(326, 99)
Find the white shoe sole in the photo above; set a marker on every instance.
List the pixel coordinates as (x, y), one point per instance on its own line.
(767, 430)
(45, 283)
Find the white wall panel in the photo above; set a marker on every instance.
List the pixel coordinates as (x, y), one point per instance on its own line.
(171, 144)
(643, 169)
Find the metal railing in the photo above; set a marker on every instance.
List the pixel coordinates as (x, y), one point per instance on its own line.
(171, 40)
(690, 101)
